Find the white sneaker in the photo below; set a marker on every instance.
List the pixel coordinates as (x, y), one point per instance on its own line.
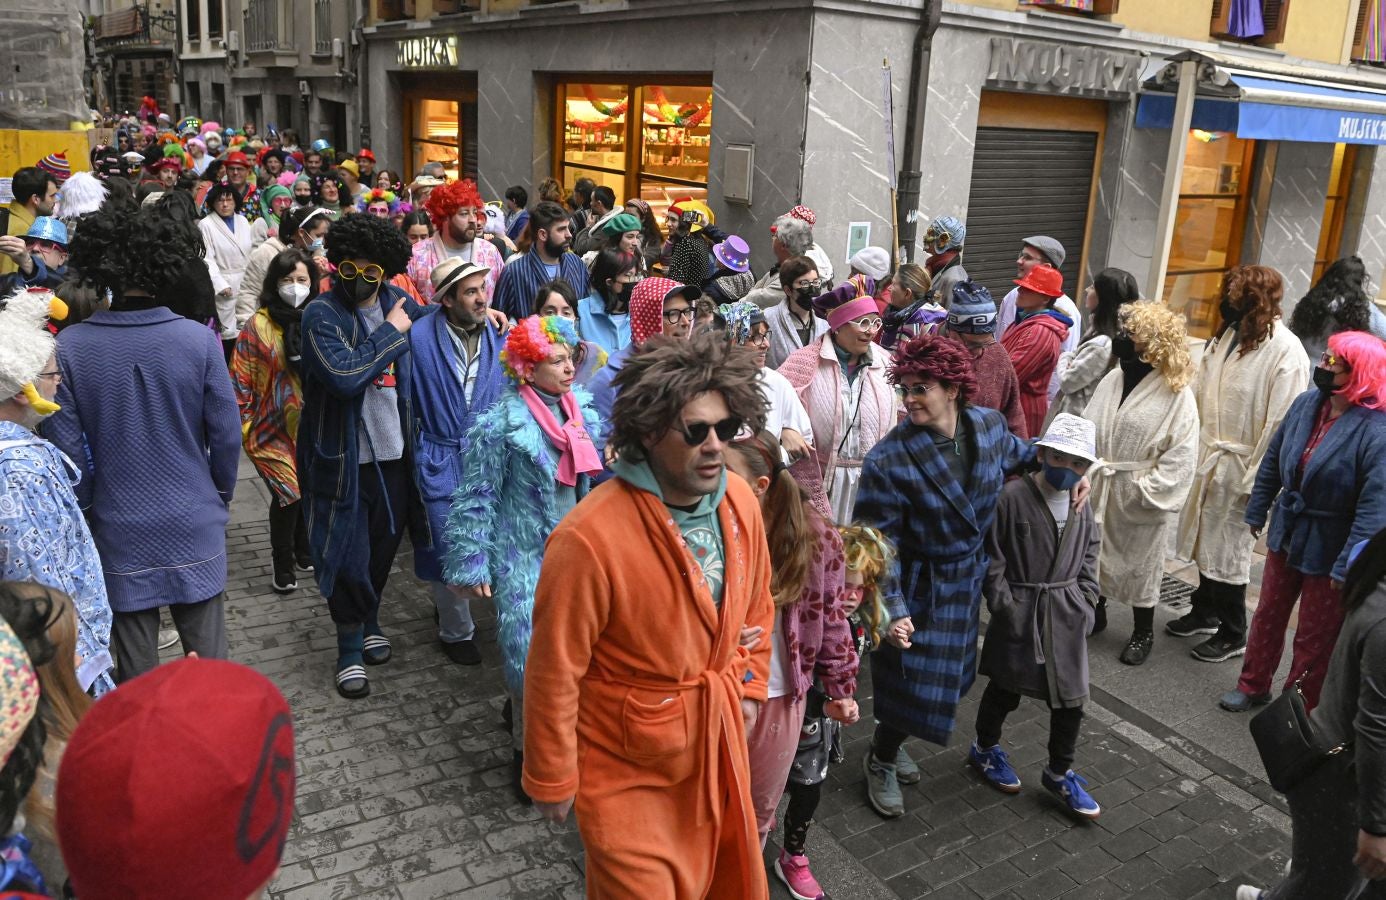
(1247, 892)
(167, 638)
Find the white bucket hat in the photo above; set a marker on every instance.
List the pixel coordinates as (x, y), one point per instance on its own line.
(1073, 435)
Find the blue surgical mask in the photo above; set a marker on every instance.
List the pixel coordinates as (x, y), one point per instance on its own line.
(1061, 478)
(316, 246)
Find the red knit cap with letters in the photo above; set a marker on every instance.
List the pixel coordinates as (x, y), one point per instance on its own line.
(179, 784)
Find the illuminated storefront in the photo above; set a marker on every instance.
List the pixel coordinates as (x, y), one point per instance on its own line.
(437, 106)
(660, 155)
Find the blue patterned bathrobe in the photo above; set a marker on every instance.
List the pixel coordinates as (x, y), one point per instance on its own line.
(938, 528)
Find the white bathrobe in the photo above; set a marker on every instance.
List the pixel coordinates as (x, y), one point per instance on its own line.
(1148, 447)
(231, 252)
(1241, 400)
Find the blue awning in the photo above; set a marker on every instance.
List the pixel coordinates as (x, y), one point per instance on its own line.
(1279, 110)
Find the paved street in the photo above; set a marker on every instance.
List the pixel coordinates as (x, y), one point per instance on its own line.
(405, 794)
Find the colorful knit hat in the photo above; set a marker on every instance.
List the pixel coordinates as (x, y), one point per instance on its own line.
(531, 342)
(203, 791)
(19, 691)
(56, 164)
(971, 309)
(378, 195)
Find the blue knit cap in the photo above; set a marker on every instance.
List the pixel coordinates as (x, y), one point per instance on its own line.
(971, 309)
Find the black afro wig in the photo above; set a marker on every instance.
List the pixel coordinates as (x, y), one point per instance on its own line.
(356, 236)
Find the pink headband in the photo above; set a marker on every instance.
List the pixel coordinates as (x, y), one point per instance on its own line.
(852, 309)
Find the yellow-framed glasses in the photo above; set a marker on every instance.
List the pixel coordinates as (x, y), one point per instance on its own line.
(350, 271)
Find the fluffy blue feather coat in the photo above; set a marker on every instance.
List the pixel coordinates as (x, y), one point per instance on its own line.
(503, 513)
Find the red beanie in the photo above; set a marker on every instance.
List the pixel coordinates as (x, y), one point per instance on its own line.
(179, 784)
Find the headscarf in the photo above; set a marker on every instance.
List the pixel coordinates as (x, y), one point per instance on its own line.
(267, 199)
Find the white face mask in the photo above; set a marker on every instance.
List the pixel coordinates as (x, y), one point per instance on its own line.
(293, 293)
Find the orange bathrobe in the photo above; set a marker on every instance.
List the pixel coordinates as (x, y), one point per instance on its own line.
(632, 695)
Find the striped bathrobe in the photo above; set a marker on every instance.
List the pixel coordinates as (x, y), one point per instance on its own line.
(938, 528)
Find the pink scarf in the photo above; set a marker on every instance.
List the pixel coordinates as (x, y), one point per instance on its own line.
(576, 453)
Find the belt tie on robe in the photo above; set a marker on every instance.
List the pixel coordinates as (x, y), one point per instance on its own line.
(1042, 589)
(1101, 476)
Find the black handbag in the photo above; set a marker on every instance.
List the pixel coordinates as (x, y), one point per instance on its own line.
(1291, 746)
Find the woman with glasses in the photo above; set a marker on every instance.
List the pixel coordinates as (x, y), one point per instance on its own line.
(930, 487)
(556, 298)
(1248, 377)
(603, 316)
(841, 381)
(792, 322)
(529, 461)
(1147, 441)
(1322, 482)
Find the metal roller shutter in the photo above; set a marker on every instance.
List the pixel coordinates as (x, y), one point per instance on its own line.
(1027, 182)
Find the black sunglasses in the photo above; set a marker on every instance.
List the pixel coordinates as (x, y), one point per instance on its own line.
(696, 434)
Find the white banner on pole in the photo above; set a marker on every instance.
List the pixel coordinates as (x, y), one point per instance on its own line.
(889, 110)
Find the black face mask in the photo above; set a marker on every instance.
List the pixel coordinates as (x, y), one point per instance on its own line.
(1323, 379)
(803, 297)
(1123, 348)
(359, 289)
(1230, 314)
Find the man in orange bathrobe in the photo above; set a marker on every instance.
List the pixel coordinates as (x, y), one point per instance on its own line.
(638, 695)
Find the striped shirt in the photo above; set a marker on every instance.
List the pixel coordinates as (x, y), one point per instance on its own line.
(522, 276)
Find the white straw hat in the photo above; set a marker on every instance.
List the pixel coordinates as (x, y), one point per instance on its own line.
(1073, 435)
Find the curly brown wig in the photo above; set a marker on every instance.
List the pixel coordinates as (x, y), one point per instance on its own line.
(1257, 292)
(654, 386)
(941, 359)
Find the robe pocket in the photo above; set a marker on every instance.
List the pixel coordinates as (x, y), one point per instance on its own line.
(326, 473)
(655, 724)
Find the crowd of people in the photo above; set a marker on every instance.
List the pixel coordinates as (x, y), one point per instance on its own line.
(699, 497)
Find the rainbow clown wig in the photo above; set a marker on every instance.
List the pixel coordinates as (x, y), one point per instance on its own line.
(532, 341)
(445, 200)
(376, 196)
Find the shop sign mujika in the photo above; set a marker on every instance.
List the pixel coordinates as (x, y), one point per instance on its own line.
(1064, 68)
(429, 52)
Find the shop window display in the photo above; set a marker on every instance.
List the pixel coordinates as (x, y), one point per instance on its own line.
(659, 152)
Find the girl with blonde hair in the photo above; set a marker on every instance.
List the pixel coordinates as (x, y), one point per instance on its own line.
(1147, 441)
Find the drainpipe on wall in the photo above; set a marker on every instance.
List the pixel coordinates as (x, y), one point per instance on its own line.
(1174, 177)
(907, 201)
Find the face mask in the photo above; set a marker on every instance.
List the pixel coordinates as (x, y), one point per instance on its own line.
(315, 246)
(1123, 348)
(1230, 314)
(1061, 478)
(293, 293)
(359, 289)
(1323, 379)
(803, 297)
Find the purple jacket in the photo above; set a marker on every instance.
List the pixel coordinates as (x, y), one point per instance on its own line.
(816, 634)
(149, 416)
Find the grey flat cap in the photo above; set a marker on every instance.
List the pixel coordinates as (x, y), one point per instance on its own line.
(1052, 249)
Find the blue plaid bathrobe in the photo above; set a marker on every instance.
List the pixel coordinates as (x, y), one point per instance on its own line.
(938, 528)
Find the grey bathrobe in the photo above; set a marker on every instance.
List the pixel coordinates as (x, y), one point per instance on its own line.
(1041, 591)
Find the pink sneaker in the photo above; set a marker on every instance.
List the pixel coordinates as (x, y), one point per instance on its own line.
(794, 872)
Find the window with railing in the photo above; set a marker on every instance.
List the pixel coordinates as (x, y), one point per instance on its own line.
(1251, 21)
(322, 27)
(269, 25)
(192, 15)
(1369, 37)
(215, 17)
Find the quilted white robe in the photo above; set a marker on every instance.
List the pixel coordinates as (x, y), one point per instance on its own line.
(1241, 401)
(231, 252)
(1148, 447)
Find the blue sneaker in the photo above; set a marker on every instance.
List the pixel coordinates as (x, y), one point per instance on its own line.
(1070, 791)
(995, 767)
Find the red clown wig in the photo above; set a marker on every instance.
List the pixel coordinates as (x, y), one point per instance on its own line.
(939, 359)
(445, 200)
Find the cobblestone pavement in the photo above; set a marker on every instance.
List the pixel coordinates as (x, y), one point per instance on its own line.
(405, 794)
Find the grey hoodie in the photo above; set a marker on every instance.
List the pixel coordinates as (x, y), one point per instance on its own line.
(702, 532)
